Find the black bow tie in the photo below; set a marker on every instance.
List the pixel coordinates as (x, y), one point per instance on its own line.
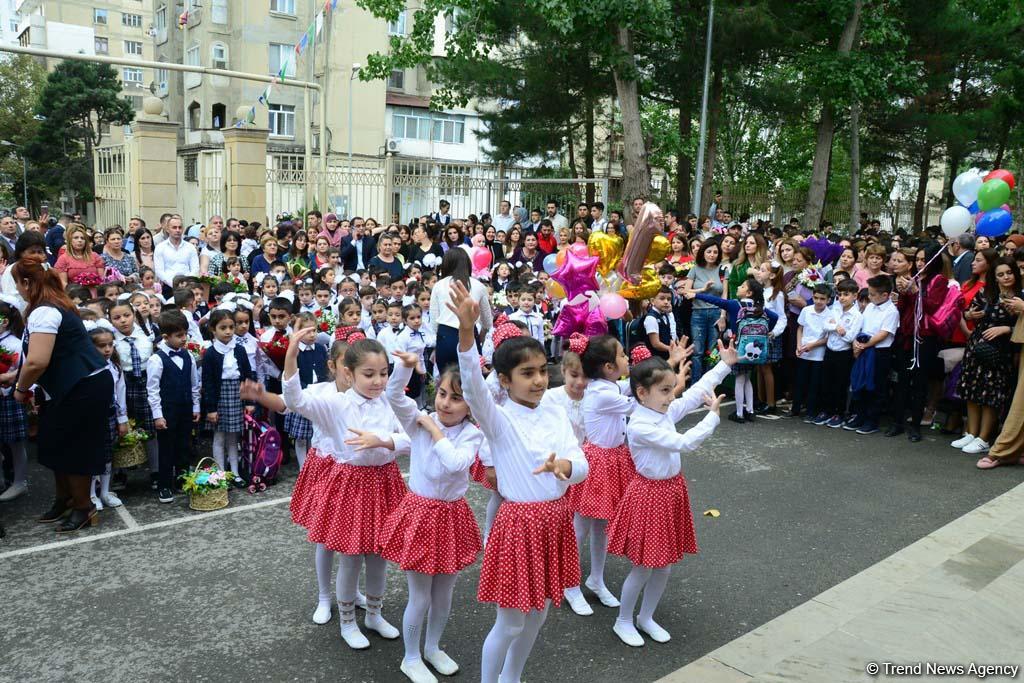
(180, 353)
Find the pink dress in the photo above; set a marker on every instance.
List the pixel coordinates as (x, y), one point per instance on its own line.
(73, 267)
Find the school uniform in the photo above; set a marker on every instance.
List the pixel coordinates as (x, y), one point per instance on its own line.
(312, 362)
(866, 404)
(224, 368)
(413, 341)
(269, 370)
(839, 358)
(253, 353)
(118, 410)
(605, 406)
(661, 324)
(13, 419)
(533, 320)
(135, 350)
(172, 387)
(388, 338)
(808, 366)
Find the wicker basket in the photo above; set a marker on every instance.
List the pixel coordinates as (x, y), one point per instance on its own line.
(129, 456)
(210, 500)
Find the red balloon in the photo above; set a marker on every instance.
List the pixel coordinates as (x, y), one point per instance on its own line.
(1004, 175)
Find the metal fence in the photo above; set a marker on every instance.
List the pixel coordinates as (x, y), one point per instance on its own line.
(113, 195)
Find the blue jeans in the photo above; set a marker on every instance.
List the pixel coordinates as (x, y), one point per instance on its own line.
(703, 336)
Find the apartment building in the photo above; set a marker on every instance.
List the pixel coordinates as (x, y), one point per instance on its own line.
(9, 20)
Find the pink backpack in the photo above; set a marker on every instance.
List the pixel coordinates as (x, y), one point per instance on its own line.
(261, 445)
(946, 318)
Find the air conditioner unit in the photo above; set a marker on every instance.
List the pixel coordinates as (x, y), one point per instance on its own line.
(392, 146)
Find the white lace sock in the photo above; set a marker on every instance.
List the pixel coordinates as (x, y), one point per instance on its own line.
(301, 446)
(508, 625)
(105, 484)
(231, 449)
(748, 392)
(441, 591)
(653, 591)
(581, 528)
(376, 579)
(519, 651)
(347, 582)
(492, 511)
(323, 560)
(218, 449)
(415, 612)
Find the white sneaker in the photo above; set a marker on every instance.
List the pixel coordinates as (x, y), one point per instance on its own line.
(354, 638)
(13, 492)
(602, 593)
(963, 441)
(442, 663)
(96, 502)
(628, 634)
(417, 672)
(976, 446)
(577, 603)
(656, 632)
(323, 612)
(111, 500)
(377, 623)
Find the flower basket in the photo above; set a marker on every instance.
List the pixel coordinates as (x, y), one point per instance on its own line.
(207, 487)
(131, 448)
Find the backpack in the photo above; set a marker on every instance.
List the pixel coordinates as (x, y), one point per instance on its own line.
(635, 334)
(946, 318)
(752, 340)
(261, 446)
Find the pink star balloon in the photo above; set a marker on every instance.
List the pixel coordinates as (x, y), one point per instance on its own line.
(577, 274)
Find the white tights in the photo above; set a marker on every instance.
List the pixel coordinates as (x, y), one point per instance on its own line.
(509, 643)
(597, 530)
(20, 460)
(430, 597)
(323, 559)
(348, 582)
(226, 443)
(301, 446)
(744, 394)
(492, 511)
(652, 582)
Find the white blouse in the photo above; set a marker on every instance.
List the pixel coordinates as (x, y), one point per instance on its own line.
(120, 405)
(143, 344)
(574, 409)
(438, 470)
(441, 295)
(229, 370)
(653, 440)
(521, 439)
(605, 407)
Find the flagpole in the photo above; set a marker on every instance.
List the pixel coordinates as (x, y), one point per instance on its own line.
(322, 190)
(307, 113)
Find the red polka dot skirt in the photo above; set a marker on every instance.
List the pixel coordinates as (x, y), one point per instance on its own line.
(351, 504)
(478, 473)
(430, 536)
(304, 501)
(611, 470)
(530, 556)
(654, 525)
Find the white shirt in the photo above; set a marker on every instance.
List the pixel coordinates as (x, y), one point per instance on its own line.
(413, 341)
(441, 295)
(143, 344)
(254, 353)
(849, 320)
(534, 321)
(605, 407)
(559, 221)
(651, 323)
(388, 338)
(333, 414)
(169, 261)
(876, 318)
(653, 440)
(427, 328)
(438, 470)
(813, 324)
(574, 409)
(777, 305)
(599, 224)
(120, 405)
(521, 439)
(503, 221)
(155, 371)
(7, 286)
(229, 369)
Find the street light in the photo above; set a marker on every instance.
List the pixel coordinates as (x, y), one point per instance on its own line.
(24, 169)
(348, 199)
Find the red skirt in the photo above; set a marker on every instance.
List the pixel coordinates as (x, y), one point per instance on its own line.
(530, 556)
(611, 470)
(349, 504)
(304, 500)
(654, 525)
(430, 536)
(478, 473)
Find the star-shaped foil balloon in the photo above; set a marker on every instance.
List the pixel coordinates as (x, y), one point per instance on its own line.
(577, 274)
(577, 277)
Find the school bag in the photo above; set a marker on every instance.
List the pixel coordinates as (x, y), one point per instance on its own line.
(752, 340)
(262, 453)
(946, 318)
(635, 334)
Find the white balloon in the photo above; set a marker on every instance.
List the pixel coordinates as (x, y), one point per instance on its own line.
(955, 221)
(966, 186)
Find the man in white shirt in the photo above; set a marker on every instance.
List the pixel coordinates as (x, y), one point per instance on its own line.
(174, 256)
(160, 234)
(527, 315)
(879, 323)
(504, 219)
(557, 219)
(597, 216)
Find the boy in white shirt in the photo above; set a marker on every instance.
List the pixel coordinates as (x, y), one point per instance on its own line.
(527, 315)
(843, 328)
(413, 339)
(388, 335)
(879, 323)
(811, 337)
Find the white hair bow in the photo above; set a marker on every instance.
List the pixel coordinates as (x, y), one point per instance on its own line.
(304, 281)
(431, 260)
(259, 278)
(288, 294)
(11, 299)
(101, 324)
(125, 296)
(227, 306)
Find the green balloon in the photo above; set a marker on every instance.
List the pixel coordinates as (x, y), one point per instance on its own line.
(993, 194)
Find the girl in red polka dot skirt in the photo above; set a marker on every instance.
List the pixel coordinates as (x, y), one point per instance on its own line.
(432, 535)
(531, 551)
(360, 486)
(654, 525)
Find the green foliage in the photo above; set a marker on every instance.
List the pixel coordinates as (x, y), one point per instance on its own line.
(21, 78)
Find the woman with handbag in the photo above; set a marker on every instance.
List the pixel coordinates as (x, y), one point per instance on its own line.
(984, 382)
(1009, 447)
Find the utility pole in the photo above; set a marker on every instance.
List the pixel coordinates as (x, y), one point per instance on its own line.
(323, 95)
(307, 113)
(699, 180)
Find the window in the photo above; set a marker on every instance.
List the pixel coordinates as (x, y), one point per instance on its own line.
(160, 19)
(454, 179)
(421, 124)
(191, 168)
(131, 20)
(396, 80)
(192, 56)
(162, 75)
(397, 28)
(132, 76)
(282, 6)
(133, 47)
(219, 11)
(194, 113)
(219, 56)
(218, 116)
(135, 101)
(99, 16)
(14, 26)
(102, 46)
(281, 55)
(282, 120)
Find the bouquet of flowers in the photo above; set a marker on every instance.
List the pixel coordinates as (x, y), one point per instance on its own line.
(113, 275)
(195, 348)
(683, 269)
(237, 282)
(87, 279)
(811, 276)
(134, 436)
(8, 359)
(206, 479)
(326, 321)
(276, 351)
(712, 357)
(499, 300)
(283, 216)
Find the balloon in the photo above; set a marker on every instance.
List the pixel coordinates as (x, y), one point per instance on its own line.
(580, 318)
(560, 257)
(660, 247)
(595, 324)
(608, 250)
(613, 306)
(995, 222)
(966, 186)
(973, 208)
(955, 221)
(579, 248)
(554, 289)
(576, 275)
(648, 224)
(648, 286)
(993, 194)
(550, 263)
(481, 258)
(1003, 175)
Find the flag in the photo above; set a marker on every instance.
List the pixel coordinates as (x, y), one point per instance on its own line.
(251, 118)
(284, 69)
(300, 47)
(319, 22)
(264, 98)
(334, 4)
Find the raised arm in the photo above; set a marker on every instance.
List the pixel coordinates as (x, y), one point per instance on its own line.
(651, 435)
(321, 410)
(403, 406)
(694, 396)
(473, 388)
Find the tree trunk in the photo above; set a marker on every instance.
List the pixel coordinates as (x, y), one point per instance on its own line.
(636, 174)
(714, 111)
(588, 147)
(572, 148)
(923, 172)
(854, 167)
(684, 164)
(826, 130)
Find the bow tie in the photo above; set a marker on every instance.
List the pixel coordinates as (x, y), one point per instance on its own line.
(417, 333)
(240, 339)
(180, 353)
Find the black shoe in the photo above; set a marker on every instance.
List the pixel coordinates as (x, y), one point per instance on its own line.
(894, 430)
(759, 407)
(749, 417)
(165, 496)
(736, 418)
(769, 410)
(154, 481)
(914, 435)
(79, 519)
(791, 413)
(119, 481)
(239, 483)
(59, 510)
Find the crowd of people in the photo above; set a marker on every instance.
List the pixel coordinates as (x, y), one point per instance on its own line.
(343, 331)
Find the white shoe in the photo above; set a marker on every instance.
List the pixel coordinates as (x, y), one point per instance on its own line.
(963, 441)
(577, 602)
(323, 612)
(354, 638)
(377, 623)
(360, 600)
(976, 446)
(657, 633)
(602, 593)
(96, 502)
(417, 672)
(13, 492)
(628, 634)
(111, 500)
(442, 663)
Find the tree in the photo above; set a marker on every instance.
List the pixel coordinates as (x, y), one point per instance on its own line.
(79, 100)
(21, 79)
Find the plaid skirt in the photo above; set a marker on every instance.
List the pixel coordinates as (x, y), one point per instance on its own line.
(297, 426)
(138, 403)
(775, 350)
(229, 408)
(13, 423)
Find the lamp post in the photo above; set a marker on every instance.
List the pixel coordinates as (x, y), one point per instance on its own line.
(348, 199)
(699, 180)
(24, 169)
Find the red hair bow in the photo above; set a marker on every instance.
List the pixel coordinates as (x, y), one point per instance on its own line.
(504, 332)
(578, 343)
(639, 354)
(501, 320)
